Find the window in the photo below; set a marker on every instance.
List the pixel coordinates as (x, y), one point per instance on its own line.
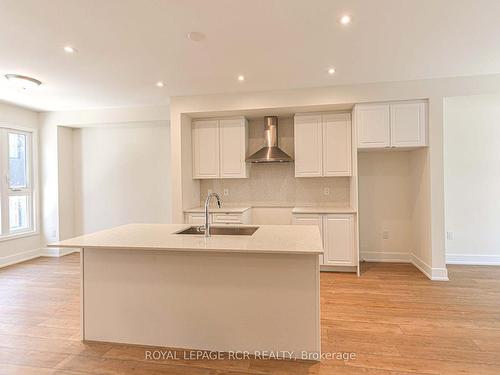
(16, 185)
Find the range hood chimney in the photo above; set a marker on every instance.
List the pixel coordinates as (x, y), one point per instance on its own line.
(270, 153)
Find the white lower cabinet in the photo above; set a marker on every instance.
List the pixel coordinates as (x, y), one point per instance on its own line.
(338, 235)
(338, 240)
(311, 219)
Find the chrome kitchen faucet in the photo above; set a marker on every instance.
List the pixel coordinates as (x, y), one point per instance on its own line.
(207, 213)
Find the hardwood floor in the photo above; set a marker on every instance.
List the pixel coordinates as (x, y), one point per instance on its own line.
(393, 318)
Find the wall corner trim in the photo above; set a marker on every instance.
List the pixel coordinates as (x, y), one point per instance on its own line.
(434, 274)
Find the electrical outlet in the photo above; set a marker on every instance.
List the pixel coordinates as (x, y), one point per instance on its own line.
(326, 191)
(385, 235)
(226, 192)
(449, 236)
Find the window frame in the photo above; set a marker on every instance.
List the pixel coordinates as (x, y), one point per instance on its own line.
(30, 190)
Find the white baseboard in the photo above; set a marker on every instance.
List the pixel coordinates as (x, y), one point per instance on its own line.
(435, 274)
(56, 251)
(35, 253)
(19, 257)
(380, 256)
(473, 259)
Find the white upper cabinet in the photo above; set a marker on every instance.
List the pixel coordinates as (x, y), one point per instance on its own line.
(308, 131)
(401, 124)
(373, 125)
(233, 142)
(339, 240)
(219, 148)
(322, 145)
(337, 144)
(408, 125)
(205, 143)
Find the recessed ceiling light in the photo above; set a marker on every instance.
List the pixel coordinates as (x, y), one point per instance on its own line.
(195, 36)
(23, 82)
(160, 84)
(345, 19)
(241, 78)
(69, 49)
(331, 71)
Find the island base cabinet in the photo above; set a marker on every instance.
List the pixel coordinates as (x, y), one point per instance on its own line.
(338, 235)
(202, 300)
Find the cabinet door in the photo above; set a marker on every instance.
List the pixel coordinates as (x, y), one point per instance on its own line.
(339, 240)
(308, 146)
(310, 219)
(205, 142)
(233, 148)
(372, 124)
(337, 145)
(408, 125)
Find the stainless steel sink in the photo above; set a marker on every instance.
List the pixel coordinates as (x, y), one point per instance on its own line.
(221, 231)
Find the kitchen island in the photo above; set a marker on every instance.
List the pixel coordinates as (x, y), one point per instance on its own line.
(148, 284)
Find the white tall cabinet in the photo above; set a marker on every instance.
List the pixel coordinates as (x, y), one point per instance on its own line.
(219, 148)
(391, 125)
(322, 145)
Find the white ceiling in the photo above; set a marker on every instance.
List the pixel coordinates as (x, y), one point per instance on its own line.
(125, 46)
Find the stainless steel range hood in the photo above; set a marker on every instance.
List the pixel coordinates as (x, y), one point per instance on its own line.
(270, 153)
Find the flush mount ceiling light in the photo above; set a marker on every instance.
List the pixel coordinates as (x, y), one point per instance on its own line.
(195, 36)
(160, 84)
(345, 19)
(331, 71)
(22, 82)
(69, 49)
(241, 78)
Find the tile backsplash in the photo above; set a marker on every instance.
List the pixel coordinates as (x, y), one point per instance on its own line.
(276, 185)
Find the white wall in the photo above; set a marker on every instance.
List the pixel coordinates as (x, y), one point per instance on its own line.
(23, 248)
(472, 179)
(66, 182)
(121, 175)
(385, 205)
(56, 151)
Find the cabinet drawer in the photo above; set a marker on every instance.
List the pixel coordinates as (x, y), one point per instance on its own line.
(195, 218)
(227, 219)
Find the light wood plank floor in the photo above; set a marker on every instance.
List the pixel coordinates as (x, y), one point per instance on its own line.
(393, 318)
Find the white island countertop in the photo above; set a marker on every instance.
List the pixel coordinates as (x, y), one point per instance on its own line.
(276, 239)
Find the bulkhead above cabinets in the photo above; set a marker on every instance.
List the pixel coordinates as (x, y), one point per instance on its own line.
(219, 148)
(391, 125)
